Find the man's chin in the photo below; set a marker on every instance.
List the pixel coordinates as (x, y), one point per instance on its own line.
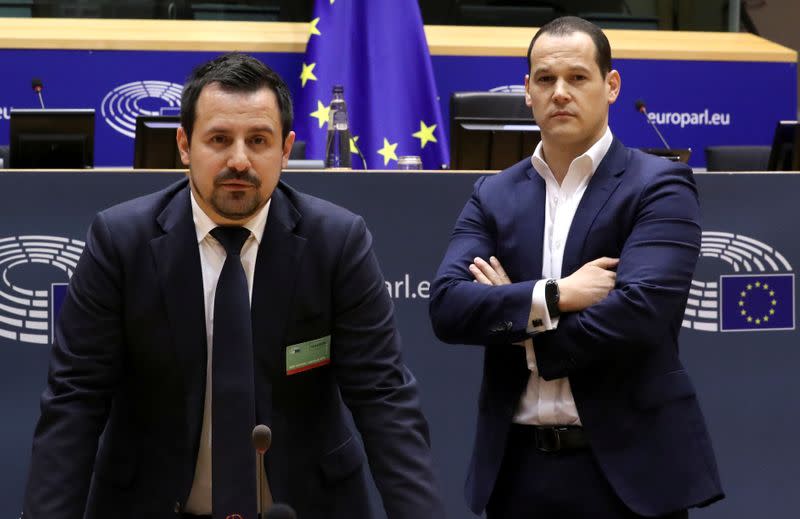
(236, 210)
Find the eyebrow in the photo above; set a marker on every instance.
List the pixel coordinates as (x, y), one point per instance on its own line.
(571, 68)
(256, 129)
(262, 129)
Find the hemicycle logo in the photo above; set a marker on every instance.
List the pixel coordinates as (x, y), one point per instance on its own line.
(27, 313)
(757, 294)
(122, 105)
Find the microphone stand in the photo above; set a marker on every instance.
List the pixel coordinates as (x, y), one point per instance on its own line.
(260, 482)
(644, 112)
(262, 439)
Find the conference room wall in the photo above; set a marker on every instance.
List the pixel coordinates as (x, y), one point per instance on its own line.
(746, 380)
(751, 96)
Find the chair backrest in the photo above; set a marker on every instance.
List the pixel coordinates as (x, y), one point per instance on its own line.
(490, 105)
(737, 158)
(490, 130)
(3, 157)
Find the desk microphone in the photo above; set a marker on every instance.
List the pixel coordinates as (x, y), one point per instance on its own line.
(642, 108)
(38, 86)
(262, 439)
(281, 511)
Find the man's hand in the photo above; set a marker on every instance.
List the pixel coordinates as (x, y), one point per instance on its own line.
(588, 285)
(491, 273)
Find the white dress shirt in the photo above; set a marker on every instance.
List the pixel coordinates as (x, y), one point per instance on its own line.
(212, 257)
(550, 402)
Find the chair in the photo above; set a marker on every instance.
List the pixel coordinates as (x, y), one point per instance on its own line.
(16, 8)
(3, 157)
(737, 158)
(490, 130)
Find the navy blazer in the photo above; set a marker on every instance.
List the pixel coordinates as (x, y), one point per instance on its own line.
(634, 397)
(129, 361)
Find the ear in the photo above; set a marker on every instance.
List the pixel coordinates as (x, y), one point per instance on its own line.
(528, 101)
(613, 84)
(183, 145)
(287, 148)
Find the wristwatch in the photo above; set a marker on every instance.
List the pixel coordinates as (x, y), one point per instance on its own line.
(551, 297)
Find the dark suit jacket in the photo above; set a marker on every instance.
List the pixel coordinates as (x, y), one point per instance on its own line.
(635, 400)
(130, 358)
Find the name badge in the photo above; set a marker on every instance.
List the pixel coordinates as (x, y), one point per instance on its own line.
(304, 356)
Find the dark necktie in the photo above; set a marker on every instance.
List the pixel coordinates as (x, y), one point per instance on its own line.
(233, 467)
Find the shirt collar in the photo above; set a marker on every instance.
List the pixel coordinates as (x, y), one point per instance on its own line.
(203, 224)
(594, 155)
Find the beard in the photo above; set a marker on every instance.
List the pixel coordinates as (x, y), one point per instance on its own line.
(235, 205)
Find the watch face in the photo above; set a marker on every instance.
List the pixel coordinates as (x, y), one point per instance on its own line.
(551, 296)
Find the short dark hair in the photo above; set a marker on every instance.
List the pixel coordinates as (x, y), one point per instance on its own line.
(234, 72)
(567, 25)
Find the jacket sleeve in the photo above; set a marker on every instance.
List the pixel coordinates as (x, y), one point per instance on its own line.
(376, 385)
(465, 312)
(84, 369)
(653, 278)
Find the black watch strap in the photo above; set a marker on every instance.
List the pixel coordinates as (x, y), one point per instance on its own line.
(551, 297)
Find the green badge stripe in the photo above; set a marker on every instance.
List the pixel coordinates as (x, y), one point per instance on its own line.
(308, 355)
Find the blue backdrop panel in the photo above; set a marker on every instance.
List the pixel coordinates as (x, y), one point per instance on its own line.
(117, 84)
(682, 95)
(698, 103)
(746, 379)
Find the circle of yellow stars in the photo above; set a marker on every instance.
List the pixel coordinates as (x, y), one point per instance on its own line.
(388, 151)
(757, 319)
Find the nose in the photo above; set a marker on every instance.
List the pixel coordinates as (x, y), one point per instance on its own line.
(238, 159)
(561, 93)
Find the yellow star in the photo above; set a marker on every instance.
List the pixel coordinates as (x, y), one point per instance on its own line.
(321, 113)
(425, 134)
(771, 293)
(332, 1)
(388, 151)
(758, 321)
(744, 312)
(308, 73)
(758, 283)
(765, 286)
(741, 303)
(765, 318)
(743, 294)
(312, 28)
(353, 147)
(749, 319)
(774, 302)
(749, 287)
(771, 311)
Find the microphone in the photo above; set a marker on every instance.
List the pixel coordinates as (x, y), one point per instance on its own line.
(642, 108)
(262, 439)
(281, 511)
(38, 86)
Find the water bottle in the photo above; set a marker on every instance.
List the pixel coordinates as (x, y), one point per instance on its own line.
(337, 147)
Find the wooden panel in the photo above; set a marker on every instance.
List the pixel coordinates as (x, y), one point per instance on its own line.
(64, 33)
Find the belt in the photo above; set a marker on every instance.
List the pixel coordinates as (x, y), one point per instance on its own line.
(553, 438)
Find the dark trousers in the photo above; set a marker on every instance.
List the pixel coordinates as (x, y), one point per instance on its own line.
(566, 484)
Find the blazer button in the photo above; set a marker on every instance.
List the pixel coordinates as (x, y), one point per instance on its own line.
(177, 507)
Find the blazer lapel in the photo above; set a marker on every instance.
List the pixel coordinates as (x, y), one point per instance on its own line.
(177, 263)
(276, 271)
(530, 199)
(604, 181)
(277, 265)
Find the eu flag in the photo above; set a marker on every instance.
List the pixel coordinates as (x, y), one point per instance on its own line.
(378, 52)
(757, 302)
